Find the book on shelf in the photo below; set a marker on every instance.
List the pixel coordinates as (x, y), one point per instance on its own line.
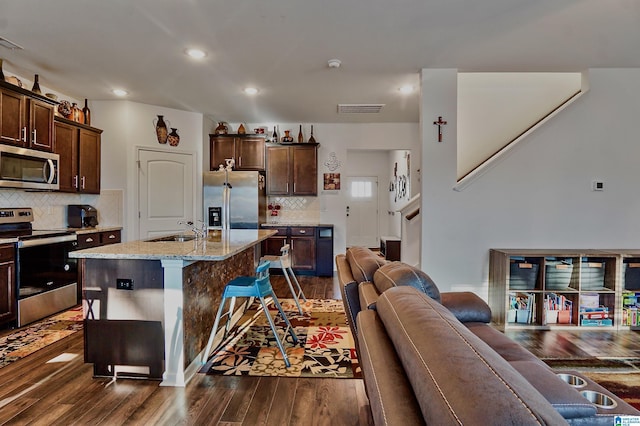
(522, 307)
(558, 309)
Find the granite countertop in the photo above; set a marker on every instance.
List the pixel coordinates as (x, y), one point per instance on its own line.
(95, 229)
(281, 224)
(217, 246)
(11, 240)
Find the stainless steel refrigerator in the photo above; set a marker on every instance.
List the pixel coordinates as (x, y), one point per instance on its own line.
(247, 199)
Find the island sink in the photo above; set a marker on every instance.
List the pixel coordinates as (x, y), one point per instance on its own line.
(179, 238)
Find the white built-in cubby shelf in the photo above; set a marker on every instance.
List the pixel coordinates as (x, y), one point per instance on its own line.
(587, 289)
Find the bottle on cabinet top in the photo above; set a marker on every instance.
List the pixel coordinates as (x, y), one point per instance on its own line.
(87, 113)
(300, 137)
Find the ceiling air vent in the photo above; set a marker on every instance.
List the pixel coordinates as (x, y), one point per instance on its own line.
(359, 108)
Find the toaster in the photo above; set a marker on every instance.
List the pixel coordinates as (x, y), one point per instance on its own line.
(82, 216)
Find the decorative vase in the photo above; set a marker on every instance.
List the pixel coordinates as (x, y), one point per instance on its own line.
(36, 85)
(161, 130)
(174, 137)
(76, 113)
(87, 113)
(287, 137)
(311, 138)
(300, 137)
(222, 129)
(241, 130)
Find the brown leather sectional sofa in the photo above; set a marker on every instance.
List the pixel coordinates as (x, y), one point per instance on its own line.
(431, 357)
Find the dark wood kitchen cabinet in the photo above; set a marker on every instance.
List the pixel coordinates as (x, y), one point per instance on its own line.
(79, 148)
(25, 120)
(98, 238)
(303, 248)
(311, 247)
(8, 299)
(246, 150)
(292, 169)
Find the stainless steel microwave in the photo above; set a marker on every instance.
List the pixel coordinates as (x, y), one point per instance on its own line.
(28, 168)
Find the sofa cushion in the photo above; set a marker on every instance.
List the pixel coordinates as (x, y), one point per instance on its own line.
(364, 263)
(456, 377)
(504, 346)
(395, 274)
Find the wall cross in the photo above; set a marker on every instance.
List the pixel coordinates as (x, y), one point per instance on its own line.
(439, 123)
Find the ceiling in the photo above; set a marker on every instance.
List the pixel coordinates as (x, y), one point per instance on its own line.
(85, 48)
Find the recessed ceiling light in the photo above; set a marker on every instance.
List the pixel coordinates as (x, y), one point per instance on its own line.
(250, 90)
(120, 92)
(196, 53)
(405, 90)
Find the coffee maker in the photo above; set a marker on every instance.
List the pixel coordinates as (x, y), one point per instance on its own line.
(82, 216)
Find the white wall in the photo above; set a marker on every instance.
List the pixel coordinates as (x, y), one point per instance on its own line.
(540, 196)
(495, 108)
(400, 160)
(128, 125)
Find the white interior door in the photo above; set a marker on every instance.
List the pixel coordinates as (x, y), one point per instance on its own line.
(362, 211)
(166, 191)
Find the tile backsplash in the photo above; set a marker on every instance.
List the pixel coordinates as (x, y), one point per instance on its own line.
(50, 208)
(295, 210)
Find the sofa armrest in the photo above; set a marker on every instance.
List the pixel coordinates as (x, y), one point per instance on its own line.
(368, 295)
(390, 394)
(349, 290)
(466, 306)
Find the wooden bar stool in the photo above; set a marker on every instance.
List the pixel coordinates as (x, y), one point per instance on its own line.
(260, 287)
(284, 262)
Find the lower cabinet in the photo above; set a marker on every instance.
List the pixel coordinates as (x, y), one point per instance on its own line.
(8, 300)
(95, 239)
(311, 248)
(98, 238)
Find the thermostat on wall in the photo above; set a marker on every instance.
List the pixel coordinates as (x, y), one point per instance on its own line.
(597, 185)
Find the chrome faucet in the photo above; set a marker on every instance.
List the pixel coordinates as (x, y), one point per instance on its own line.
(199, 231)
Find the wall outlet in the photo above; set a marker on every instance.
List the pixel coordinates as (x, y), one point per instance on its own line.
(124, 284)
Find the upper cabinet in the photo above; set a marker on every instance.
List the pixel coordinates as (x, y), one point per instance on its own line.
(79, 148)
(292, 169)
(246, 150)
(26, 119)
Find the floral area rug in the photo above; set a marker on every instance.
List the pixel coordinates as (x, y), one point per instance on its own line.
(325, 348)
(27, 340)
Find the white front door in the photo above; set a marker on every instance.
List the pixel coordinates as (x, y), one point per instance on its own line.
(166, 191)
(362, 211)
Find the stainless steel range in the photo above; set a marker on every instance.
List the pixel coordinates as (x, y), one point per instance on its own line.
(46, 278)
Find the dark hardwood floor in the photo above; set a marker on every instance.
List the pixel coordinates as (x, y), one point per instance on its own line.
(55, 387)
(38, 391)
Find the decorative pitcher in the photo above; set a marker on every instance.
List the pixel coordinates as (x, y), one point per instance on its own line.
(161, 129)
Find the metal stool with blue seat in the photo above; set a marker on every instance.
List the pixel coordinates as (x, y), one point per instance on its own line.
(258, 286)
(283, 261)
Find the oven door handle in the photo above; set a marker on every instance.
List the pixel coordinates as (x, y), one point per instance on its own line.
(47, 240)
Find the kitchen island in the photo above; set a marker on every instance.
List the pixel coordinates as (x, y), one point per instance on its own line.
(150, 304)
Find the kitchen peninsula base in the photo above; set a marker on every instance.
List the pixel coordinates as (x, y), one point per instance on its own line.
(149, 306)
